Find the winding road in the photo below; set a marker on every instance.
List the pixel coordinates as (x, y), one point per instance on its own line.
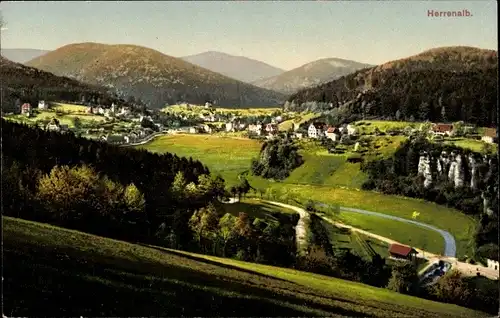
(450, 247)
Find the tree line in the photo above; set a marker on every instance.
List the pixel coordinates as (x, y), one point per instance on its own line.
(277, 158)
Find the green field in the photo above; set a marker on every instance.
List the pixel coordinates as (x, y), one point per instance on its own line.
(198, 109)
(471, 144)
(298, 119)
(70, 108)
(461, 226)
(255, 208)
(368, 126)
(226, 156)
(330, 181)
(51, 271)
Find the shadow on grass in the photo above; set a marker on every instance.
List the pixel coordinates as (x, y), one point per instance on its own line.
(43, 281)
(207, 261)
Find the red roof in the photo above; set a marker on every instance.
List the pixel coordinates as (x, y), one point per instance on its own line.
(442, 127)
(331, 129)
(26, 105)
(402, 250)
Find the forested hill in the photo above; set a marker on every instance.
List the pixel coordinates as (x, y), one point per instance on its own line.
(27, 84)
(443, 84)
(29, 153)
(155, 78)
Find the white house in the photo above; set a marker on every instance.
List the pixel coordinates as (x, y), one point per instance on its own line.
(255, 129)
(100, 110)
(124, 111)
(42, 105)
(492, 264)
(351, 130)
(298, 135)
(192, 130)
(208, 105)
(490, 135)
(229, 127)
(333, 133)
(271, 128)
(315, 130)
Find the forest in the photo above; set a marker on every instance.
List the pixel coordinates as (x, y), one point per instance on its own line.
(21, 84)
(419, 95)
(277, 158)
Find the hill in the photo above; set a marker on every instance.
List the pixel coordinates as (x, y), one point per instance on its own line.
(22, 55)
(238, 67)
(442, 84)
(155, 78)
(47, 270)
(27, 84)
(310, 74)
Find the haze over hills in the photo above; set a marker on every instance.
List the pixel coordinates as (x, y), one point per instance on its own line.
(31, 84)
(310, 74)
(441, 84)
(238, 67)
(22, 55)
(155, 78)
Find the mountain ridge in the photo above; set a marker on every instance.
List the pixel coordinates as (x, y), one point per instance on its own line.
(310, 74)
(238, 67)
(150, 75)
(19, 55)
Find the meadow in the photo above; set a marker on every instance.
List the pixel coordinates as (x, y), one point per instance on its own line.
(198, 109)
(368, 126)
(298, 119)
(256, 208)
(50, 271)
(329, 179)
(228, 157)
(470, 144)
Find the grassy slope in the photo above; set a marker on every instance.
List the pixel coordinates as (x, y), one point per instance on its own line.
(198, 109)
(258, 209)
(230, 156)
(52, 271)
(227, 156)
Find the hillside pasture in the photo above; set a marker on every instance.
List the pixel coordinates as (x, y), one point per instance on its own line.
(368, 126)
(255, 208)
(228, 157)
(47, 270)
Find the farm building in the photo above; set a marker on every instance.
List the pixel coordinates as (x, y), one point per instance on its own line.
(316, 130)
(402, 252)
(441, 129)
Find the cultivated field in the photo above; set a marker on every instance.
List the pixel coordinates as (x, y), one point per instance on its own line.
(49, 270)
(226, 156)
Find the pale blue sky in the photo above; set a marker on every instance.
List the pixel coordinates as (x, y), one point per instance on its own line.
(283, 34)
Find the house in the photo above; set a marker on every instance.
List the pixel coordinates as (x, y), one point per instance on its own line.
(26, 109)
(492, 264)
(209, 128)
(125, 111)
(272, 128)
(490, 135)
(255, 129)
(113, 108)
(100, 110)
(343, 129)
(441, 129)
(208, 105)
(298, 135)
(278, 119)
(333, 133)
(193, 130)
(351, 130)
(89, 110)
(42, 105)
(316, 130)
(402, 252)
(230, 127)
(55, 125)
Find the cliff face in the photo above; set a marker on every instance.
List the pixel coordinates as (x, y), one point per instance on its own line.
(463, 170)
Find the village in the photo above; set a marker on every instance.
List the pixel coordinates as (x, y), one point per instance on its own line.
(125, 126)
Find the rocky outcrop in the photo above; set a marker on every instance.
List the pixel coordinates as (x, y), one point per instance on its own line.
(463, 171)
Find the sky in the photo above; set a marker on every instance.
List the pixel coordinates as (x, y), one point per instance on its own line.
(285, 34)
